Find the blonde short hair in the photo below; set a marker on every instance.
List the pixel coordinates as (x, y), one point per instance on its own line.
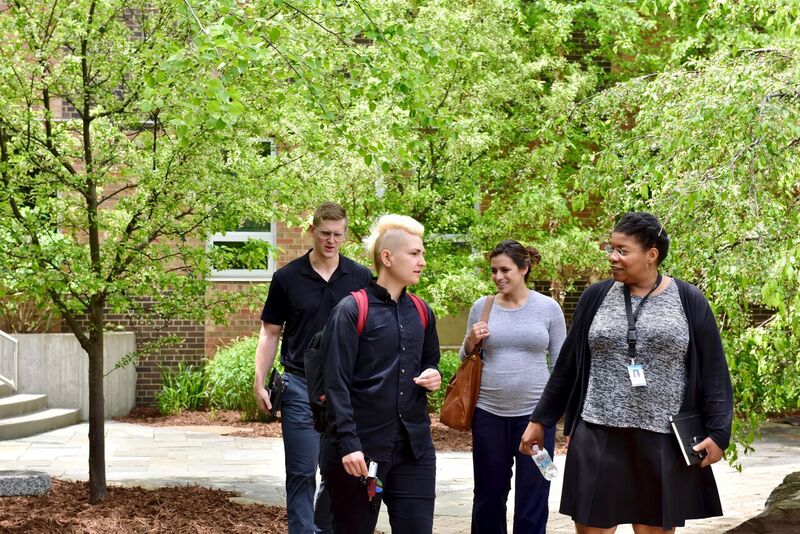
(374, 243)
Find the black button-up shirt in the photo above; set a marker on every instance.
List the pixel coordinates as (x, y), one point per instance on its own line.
(369, 384)
(302, 300)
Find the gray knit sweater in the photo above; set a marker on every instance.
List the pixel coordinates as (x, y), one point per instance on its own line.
(663, 338)
(515, 353)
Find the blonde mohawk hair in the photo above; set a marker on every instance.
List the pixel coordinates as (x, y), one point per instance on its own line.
(386, 223)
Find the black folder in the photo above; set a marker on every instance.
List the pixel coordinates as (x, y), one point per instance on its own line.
(689, 430)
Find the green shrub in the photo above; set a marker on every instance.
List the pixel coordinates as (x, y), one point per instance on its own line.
(448, 365)
(230, 379)
(182, 389)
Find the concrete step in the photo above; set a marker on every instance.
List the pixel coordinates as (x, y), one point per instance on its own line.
(37, 422)
(5, 389)
(15, 405)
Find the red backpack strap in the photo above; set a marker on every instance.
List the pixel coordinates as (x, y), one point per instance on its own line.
(422, 310)
(363, 306)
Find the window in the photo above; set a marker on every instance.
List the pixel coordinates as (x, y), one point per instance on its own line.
(242, 244)
(248, 244)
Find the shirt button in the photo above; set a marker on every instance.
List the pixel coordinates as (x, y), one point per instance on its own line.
(403, 348)
(402, 371)
(401, 393)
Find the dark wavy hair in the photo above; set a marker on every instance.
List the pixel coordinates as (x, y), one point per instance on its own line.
(522, 256)
(647, 230)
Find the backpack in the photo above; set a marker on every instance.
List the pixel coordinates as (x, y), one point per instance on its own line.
(314, 357)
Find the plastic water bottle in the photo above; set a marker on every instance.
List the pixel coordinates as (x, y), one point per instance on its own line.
(545, 464)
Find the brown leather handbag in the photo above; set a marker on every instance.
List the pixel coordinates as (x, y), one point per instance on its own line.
(462, 391)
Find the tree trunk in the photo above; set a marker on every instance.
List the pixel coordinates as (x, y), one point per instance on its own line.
(97, 444)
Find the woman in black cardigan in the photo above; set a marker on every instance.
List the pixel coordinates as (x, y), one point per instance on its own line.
(623, 465)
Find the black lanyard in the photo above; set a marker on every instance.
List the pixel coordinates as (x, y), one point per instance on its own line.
(633, 316)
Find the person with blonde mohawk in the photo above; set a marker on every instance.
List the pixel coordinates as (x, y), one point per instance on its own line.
(378, 443)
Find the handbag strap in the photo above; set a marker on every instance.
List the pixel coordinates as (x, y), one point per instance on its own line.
(487, 309)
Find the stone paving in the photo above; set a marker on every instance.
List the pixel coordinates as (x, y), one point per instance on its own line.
(156, 456)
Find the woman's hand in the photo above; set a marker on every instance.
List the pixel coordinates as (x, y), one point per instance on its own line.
(713, 452)
(533, 435)
(477, 333)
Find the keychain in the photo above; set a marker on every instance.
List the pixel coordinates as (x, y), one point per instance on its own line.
(373, 483)
(374, 486)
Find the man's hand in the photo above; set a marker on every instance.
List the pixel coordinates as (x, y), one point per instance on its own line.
(355, 465)
(429, 379)
(533, 435)
(265, 355)
(262, 398)
(713, 452)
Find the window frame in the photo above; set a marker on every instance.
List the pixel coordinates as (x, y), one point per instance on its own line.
(239, 236)
(244, 275)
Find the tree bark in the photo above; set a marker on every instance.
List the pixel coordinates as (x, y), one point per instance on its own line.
(97, 448)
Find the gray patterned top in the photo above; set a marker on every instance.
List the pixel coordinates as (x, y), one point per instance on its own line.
(662, 342)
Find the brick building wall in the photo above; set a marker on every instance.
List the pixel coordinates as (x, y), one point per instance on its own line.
(293, 243)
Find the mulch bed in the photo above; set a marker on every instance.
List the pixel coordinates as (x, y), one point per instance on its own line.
(175, 509)
(182, 509)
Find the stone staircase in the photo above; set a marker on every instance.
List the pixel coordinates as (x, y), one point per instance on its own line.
(24, 414)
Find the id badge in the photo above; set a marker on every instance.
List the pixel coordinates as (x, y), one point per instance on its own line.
(636, 374)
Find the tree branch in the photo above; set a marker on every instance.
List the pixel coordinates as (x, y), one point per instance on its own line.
(191, 10)
(317, 23)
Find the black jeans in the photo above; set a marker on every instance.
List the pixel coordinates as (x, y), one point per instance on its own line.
(409, 491)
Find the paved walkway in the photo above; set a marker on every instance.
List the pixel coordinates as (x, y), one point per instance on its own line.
(156, 456)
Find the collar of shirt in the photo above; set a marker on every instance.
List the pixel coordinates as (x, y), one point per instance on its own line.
(382, 293)
(307, 270)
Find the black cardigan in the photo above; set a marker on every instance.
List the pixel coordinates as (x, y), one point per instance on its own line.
(708, 385)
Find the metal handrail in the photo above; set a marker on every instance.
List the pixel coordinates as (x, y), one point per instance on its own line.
(15, 382)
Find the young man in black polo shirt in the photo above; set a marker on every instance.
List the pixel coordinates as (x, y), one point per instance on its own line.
(301, 296)
(376, 385)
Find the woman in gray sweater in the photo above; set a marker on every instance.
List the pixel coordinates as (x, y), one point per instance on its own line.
(525, 329)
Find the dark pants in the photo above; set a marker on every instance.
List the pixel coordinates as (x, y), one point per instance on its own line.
(301, 450)
(495, 447)
(409, 491)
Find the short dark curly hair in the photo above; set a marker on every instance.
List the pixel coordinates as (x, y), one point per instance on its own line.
(647, 230)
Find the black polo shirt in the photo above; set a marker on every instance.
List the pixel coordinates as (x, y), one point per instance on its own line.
(301, 300)
(369, 382)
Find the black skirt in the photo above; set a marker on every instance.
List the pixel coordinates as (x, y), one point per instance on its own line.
(616, 476)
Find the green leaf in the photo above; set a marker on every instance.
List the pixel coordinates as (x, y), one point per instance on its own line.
(236, 107)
